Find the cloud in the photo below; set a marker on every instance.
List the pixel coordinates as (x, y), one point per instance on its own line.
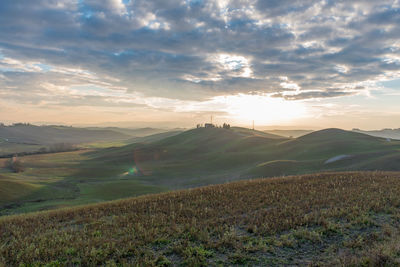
(315, 94)
(195, 50)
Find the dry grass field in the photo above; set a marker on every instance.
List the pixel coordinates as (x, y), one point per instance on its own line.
(321, 219)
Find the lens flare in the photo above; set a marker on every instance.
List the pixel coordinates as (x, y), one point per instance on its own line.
(138, 164)
(133, 170)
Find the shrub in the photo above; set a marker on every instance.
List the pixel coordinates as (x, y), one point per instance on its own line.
(16, 164)
(61, 147)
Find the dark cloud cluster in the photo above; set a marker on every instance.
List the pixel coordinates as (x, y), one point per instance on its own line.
(196, 49)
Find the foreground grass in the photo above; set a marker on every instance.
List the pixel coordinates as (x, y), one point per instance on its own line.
(323, 219)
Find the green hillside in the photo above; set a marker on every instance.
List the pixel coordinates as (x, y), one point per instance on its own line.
(312, 152)
(203, 156)
(57, 180)
(332, 142)
(136, 132)
(32, 134)
(331, 219)
(28, 138)
(153, 137)
(193, 158)
(13, 190)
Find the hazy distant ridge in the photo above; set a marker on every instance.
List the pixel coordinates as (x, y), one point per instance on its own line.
(385, 133)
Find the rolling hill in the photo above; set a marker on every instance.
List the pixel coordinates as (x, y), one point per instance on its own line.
(384, 133)
(332, 142)
(32, 134)
(153, 137)
(193, 158)
(328, 219)
(134, 132)
(203, 156)
(20, 138)
(329, 149)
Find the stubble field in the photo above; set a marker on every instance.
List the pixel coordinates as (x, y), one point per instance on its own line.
(329, 218)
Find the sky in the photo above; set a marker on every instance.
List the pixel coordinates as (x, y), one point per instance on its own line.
(282, 63)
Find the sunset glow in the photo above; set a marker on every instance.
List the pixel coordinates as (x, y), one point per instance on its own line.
(263, 109)
(143, 63)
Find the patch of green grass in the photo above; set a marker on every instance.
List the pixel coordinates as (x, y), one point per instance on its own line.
(7, 148)
(104, 144)
(11, 190)
(61, 179)
(115, 190)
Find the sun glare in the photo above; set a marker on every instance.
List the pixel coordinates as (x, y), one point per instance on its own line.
(263, 109)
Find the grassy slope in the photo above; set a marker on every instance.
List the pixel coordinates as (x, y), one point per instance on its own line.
(153, 137)
(31, 138)
(54, 180)
(201, 156)
(12, 190)
(322, 219)
(79, 177)
(331, 142)
(7, 148)
(56, 134)
(137, 132)
(193, 158)
(308, 153)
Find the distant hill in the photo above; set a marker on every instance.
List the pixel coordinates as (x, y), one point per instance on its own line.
(385, 133)
(134, 132)
(30, 138)
(289, 133)
(328, 219)
(32, 134)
